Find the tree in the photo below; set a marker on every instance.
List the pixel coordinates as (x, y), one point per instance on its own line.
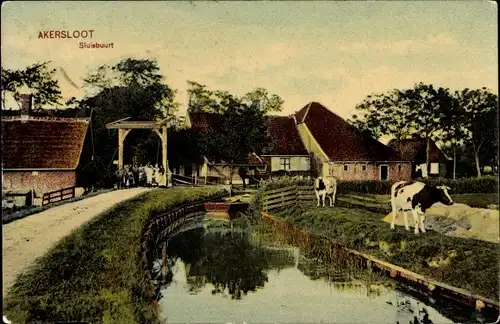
(427, 110)
(38, 78)
(481, 115)
(268, 103)
(453, 130)
(201, 99)
(132, 88)
(384, 114)
(401, 113)
(243, 132)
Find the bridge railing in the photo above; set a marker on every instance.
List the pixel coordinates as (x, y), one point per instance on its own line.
(190, 181)
(161, 225)
(283, 197)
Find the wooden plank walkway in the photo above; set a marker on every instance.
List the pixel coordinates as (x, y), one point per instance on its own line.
(458, 294)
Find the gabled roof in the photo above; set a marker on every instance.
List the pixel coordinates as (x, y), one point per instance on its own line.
(285, 138)
(413, 149)
(42, 143)
(204, 121)
(339, 140)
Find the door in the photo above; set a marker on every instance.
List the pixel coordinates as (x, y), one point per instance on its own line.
(384, 172)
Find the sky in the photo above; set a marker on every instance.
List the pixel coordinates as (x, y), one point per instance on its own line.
(332, 52)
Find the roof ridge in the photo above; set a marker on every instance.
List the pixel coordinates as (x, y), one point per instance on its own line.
(307, 111)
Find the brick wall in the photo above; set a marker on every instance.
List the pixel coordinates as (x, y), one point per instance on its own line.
(369, 171)
(41, 181)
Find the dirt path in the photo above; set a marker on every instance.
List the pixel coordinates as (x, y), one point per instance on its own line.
(28, 238)
(458, 220)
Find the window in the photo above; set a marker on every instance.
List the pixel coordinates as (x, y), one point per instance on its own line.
(346, 167)
(384, 172)
(399, 168)
(434, 168)
(285, 163)
(363, 167)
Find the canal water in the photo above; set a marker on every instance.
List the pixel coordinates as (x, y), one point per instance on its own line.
(220, 275)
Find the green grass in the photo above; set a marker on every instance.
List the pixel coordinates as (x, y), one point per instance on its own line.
(94, 274)
(464, 263)
(477, 200)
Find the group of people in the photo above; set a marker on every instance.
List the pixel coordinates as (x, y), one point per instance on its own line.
(142, 176)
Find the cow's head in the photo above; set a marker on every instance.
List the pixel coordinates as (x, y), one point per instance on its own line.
(444, 197)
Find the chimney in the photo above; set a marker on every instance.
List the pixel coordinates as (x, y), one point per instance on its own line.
(26, 104)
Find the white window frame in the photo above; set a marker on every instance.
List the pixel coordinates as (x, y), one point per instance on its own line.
(283, 164)
(380, 172)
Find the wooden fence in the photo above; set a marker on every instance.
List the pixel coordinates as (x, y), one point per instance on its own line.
(58, 195)
(283, 197)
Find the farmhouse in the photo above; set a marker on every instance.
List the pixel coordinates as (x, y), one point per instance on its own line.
(286, 152)
(340, 150)
(40, 154)
(414, 150)
(316, 139)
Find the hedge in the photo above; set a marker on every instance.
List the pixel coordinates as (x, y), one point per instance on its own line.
(486, 184)
(94, 274)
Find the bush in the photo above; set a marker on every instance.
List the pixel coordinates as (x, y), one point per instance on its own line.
(486, 184)
(94, 274)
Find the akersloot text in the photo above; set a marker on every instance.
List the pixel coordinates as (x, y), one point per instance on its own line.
(75, 34)
(65, 34)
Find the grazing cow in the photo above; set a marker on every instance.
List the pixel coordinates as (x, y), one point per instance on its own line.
(325, 187)
(416, 197)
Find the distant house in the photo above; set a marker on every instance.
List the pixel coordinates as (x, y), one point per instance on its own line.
(286, 150)
(414, 149)
(41, 154)
(340, 150)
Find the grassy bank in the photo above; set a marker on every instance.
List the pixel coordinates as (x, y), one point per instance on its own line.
(455, 261)
(355, 221)
(94, 273)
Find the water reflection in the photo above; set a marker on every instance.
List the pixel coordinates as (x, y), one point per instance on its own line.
(227, 260)
(224, 276)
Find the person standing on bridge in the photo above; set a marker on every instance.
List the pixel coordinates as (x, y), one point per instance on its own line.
(162, 176)
(149, 174)
(157, 174)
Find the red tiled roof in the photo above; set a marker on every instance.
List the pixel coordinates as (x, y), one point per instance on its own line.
(42, 143)
(341, 141)
(413, 148)
(205, 122)
(285, 139)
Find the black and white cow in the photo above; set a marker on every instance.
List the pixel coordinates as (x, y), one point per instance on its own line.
(325, 187)
(416, 197)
